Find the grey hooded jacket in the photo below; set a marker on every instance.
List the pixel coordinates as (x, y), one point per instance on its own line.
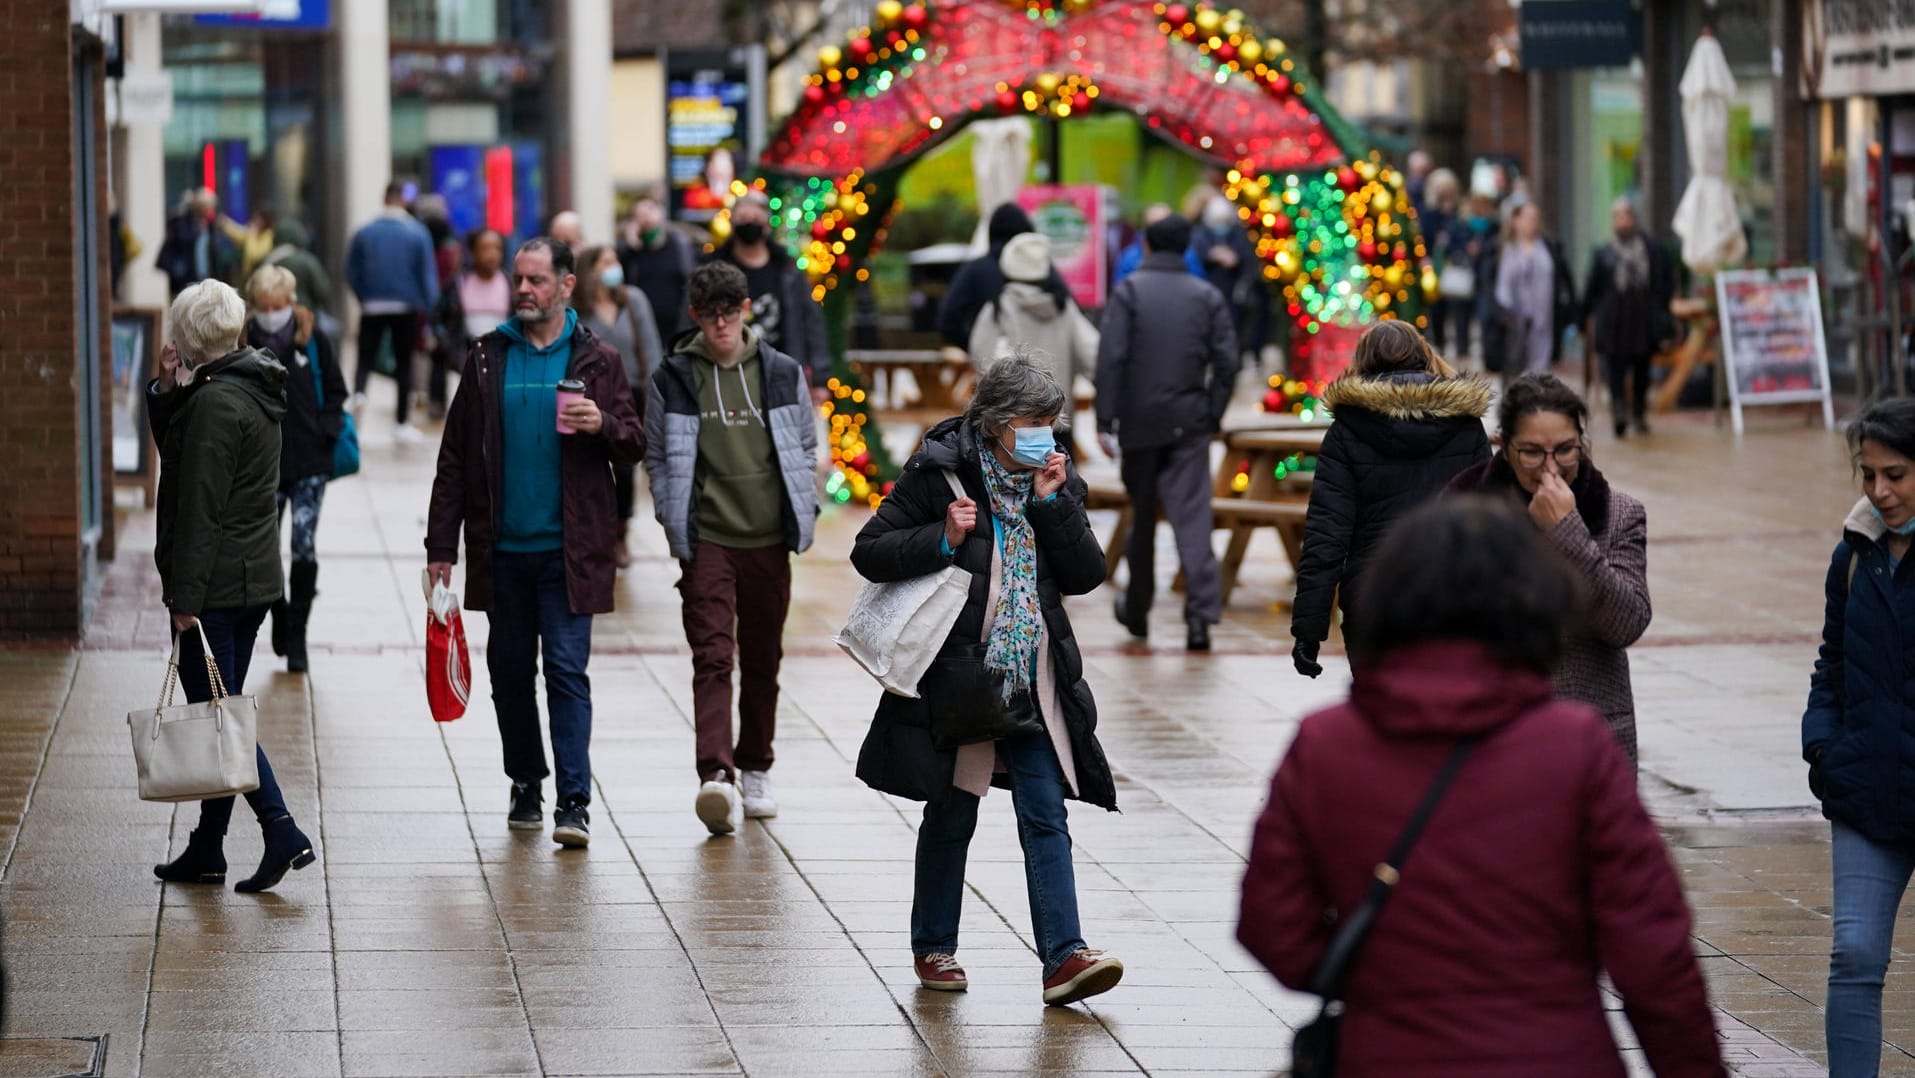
(672, 422)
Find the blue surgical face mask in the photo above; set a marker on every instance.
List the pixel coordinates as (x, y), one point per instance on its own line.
(1905, 530)
(612, 277)
(1034, 446)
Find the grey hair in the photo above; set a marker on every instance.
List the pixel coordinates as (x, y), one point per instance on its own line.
(207, 320)
(1624, 202)
(275, 281)
(1016, 387)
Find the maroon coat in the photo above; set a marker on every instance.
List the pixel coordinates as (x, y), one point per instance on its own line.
(1538, 871)
(467, 490)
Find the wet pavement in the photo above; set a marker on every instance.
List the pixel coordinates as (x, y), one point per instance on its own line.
(430, 939)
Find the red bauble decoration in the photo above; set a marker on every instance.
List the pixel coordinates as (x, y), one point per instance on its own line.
(861, 49)
(1366, 251)
(1178, 16)
(1280, 84)
(1081, 102)
(1346, 178)
(844, 263)
(814, 95)
(1273, 401)
(1007, 101)
(1225, 52)
(1283, 226)
(820, 229)
(915, 17)
(861, 462)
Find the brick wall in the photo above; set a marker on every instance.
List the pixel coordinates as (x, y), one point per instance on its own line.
(40, 553)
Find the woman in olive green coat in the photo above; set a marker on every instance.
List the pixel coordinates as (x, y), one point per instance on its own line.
(215, 410)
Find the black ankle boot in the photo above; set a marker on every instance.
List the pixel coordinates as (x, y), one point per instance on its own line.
(280, 617)
(287, 847)
(305, 580)
(201, 862)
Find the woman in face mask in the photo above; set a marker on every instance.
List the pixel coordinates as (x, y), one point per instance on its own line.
(622, 317)
(1018, 528)
(313, 422)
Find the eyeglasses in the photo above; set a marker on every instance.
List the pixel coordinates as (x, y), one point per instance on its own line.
(1530, 456)
(722, 318)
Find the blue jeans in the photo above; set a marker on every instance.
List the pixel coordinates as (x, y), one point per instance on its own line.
(1037, 795)
(231, 633)
(1870, 878)
(531, 615)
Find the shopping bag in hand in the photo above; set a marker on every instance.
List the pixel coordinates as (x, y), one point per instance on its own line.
(448, 665)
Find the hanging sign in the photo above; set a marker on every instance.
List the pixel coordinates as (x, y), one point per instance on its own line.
(1562, 34)
(1072, 218)
(1862, 48)
(1773, 349)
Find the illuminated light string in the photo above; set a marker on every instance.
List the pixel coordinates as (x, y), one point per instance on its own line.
(1333, 229)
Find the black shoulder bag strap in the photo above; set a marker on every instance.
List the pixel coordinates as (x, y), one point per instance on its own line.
(1334, 970)
(1314, 1053)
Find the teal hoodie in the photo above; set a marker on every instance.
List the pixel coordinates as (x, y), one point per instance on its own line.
(530, 521)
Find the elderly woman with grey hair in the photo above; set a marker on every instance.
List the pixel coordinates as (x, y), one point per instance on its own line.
(315, 415)
(216, 410)
(1029, 547)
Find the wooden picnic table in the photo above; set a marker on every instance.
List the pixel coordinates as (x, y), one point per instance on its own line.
(1267, 502)
(942, 384)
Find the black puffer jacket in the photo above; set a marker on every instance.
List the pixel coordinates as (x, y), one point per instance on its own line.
(902, 541)
(310, 428)
(1398, 440)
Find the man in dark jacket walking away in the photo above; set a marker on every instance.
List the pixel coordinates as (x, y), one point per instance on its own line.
(731, 453)
(1626, 305)
(1165, 369)
(530, 481)
(783, 314)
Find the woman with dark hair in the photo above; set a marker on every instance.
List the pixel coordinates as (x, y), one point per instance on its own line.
(1538, 872)
(1406, 424)
(622, 317)
(1858, 734)
(1030, 546)
(1543, 464)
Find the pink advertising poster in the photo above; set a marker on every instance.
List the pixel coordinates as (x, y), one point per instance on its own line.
(1072, 217)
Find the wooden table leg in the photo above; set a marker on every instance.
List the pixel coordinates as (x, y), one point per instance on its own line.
(1114, 551)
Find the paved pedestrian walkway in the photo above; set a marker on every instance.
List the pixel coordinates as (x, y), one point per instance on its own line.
(430, 939)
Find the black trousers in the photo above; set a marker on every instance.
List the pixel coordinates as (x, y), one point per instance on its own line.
(1620, 370)
(403, 331)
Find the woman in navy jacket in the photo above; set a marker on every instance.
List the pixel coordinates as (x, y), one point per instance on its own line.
(1858, 733)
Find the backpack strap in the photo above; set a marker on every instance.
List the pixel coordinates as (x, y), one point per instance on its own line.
(319, 385)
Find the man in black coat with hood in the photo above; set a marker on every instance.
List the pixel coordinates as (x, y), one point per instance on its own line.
(979, 282)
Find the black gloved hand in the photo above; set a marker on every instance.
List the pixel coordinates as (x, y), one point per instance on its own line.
(1304, 655)
(1818, 782)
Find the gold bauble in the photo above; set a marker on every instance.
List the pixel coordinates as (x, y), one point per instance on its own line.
(829, 56)
(1250, 52)
(1048, 82)
(890, 11)
(1208, 20)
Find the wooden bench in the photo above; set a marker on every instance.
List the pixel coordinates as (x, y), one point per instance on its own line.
(1240, 516)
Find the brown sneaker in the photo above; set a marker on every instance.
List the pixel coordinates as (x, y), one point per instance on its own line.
(1083, 975)
(940, 972)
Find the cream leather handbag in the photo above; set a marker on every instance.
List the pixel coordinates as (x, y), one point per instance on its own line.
(192, 752)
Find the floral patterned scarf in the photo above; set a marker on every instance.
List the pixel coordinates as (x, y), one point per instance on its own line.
(1017, 624)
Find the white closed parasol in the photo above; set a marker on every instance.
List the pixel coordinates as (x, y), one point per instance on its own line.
(1706, 219)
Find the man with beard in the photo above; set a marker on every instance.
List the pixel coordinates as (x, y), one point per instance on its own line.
(539, 563)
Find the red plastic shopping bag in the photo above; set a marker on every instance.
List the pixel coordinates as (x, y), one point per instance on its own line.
(448, 664)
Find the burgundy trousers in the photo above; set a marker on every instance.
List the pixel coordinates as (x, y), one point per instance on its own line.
(735, 603)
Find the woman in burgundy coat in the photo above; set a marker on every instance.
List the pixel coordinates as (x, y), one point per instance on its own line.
(1539, 870)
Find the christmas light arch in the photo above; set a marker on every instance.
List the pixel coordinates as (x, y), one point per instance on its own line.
(1330, 222)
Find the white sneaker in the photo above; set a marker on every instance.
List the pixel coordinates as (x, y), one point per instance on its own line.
(759, 804)
(357, 402)
(407, 434)
(717, 800)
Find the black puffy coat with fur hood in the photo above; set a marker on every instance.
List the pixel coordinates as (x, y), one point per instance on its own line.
(1397, 441)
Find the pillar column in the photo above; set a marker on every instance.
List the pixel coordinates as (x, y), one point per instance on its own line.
(1793, 156)
(588, 89)
(143, 196)
(1662, 60)
(365, 116)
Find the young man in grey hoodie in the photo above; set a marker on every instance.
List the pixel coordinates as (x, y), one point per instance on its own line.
(731, 462)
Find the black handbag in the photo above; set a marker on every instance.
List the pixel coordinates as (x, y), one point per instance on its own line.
(965, 699)
(1313, 1053)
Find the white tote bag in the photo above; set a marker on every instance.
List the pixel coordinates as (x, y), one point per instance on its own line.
(896, 629)
(1457, 281)
(192, 752)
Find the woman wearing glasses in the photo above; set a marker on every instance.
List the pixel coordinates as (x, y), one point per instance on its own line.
(1543, 462)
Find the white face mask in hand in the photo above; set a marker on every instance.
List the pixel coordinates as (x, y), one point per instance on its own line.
(183, 376)
(274, 321)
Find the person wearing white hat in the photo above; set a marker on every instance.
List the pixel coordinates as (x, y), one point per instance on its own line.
(1027, 315)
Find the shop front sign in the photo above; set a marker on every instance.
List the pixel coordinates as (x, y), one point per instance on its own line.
(1859, 47)
(1562, 34)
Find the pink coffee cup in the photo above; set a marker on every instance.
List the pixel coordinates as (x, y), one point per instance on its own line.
(569, 390)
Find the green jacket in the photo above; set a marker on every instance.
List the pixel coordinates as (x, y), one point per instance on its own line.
(218, 545)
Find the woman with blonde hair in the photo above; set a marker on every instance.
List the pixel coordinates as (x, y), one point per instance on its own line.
(1406, 424)
(315, 414)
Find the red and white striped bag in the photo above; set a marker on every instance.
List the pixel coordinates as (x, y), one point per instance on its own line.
(448, 664)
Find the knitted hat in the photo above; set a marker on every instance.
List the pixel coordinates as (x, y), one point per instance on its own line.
(1026, 258)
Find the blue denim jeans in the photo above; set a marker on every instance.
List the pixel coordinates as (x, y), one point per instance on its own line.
(531, 616)
(231, 633)
(1870, 878)
(1037, 795)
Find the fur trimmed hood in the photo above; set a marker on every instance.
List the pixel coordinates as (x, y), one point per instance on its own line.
(1411, 395)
